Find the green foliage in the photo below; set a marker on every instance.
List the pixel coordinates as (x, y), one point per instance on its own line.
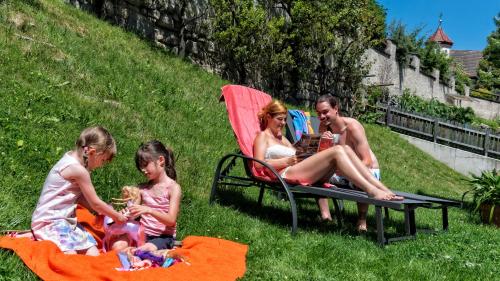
(434, 108)
(485, 189)
(482, 93)
(431, 57)
(284, 45)
(461, 78)
(489, 66)
(408, 43)
(374, 95)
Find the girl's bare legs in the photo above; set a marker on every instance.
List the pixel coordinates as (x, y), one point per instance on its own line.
(148, 247)
(119, 245)
(324, 163)
(92, 251)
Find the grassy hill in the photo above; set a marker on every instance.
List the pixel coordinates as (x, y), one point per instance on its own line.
(62, 70)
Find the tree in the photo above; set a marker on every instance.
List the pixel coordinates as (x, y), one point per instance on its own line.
(407, 43)
(307, 48)
(431, 57)
(489, 66)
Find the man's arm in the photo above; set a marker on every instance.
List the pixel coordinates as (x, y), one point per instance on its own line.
(359, 143)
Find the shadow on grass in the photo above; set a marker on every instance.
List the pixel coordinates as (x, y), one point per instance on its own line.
(279, 213)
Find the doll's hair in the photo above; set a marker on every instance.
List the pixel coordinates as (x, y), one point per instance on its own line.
(98, 138)
(273, 108)
(151, 151)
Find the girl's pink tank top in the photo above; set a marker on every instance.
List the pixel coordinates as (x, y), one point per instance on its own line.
(158, 202)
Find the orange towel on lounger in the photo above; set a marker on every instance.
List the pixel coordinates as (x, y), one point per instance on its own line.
(209, 259)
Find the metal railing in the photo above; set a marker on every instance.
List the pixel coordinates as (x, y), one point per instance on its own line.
(474, 140)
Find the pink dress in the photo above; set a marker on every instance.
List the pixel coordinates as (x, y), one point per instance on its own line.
(54, 218)
(159, 202)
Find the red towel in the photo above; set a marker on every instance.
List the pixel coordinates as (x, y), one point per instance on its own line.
(243, 104)
(209, 259)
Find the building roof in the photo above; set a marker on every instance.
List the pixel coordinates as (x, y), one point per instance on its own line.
(469, 59)
(441, 37)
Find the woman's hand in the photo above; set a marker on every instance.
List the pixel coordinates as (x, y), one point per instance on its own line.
(137, 210)
(292, 160)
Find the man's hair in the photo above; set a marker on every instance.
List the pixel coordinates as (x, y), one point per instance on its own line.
(333, 101)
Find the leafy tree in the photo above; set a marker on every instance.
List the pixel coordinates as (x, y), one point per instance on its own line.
(330, 39)
(307, 48)
(407, 43)
(489, 66)
(432, 57)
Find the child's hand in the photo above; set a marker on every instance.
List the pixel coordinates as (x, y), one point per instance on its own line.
(137, 210)
(121, 218)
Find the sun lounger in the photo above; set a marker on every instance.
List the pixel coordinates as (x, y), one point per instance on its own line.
(242, 105)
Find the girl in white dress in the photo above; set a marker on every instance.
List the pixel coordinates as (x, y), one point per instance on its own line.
(69, 183)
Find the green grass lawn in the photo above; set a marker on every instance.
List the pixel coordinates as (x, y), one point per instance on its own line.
(62, 70)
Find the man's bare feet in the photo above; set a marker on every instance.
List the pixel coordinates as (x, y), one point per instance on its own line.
(326, 219)
(361, 225)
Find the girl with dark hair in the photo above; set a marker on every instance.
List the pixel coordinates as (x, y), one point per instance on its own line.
(160, 197)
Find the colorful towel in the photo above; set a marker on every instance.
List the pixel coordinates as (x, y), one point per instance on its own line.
(299, 120)
(209, 259)
(310, 129)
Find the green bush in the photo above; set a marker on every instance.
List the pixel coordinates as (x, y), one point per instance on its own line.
(434, 108)
(485, 189)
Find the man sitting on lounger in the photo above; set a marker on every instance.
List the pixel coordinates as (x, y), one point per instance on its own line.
(346, 131)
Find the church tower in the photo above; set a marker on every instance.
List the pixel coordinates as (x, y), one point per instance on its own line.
(442, 39)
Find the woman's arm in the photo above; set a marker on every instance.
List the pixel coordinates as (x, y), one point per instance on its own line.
(168, 219)
(259, 149)
(80, 176)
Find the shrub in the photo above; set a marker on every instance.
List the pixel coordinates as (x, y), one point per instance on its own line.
(485, 189)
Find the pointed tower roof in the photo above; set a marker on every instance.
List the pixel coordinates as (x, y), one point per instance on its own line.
(440, 37)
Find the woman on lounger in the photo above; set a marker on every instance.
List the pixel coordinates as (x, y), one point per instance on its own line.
(270, 146)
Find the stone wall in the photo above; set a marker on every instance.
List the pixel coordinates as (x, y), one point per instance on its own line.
(386, 71)
(178, 25)
(182, 27)
(461, 161)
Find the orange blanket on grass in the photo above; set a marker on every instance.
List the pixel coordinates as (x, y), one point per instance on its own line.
(209, 259)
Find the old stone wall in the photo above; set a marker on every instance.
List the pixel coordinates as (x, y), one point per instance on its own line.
(182, 26)
(179, 25)
(385, 71)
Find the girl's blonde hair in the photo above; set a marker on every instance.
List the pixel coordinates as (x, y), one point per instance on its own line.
(98, 138)
(273, 108)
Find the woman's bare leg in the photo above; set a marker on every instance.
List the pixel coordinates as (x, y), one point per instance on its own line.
(324, 164)
(368, 174)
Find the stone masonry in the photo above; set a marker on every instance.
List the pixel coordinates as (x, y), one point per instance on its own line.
(182, 27)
